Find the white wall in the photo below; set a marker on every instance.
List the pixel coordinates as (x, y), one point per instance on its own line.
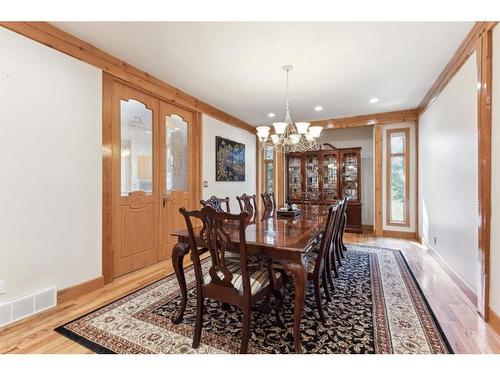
(495, 179)
(211, 129)
(448, 175)
(413, 158)
(50, 168)
(358, 137)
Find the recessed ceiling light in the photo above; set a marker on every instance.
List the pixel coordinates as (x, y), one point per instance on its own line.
(271, 114)
(318, 108)
(373, 100)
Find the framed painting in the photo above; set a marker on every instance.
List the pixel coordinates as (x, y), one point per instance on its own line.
(229, 160)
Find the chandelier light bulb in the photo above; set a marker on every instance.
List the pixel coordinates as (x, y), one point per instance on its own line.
(302, 127)
(263, 131)
(275, 138)
(315, 131)
(279, 127)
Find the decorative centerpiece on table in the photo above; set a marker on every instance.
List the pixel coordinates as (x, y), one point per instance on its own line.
(291, 211)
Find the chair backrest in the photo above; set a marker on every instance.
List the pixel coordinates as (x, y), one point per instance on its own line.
(326, 240)
(338, 221)
(216, 203)
(268, 200)
(215, 235)
(343, 218)
(247, 204)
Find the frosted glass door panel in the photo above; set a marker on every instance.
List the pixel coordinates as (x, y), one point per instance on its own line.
(136, 127)
(177, 153)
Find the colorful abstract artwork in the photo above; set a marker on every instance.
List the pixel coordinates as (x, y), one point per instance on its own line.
(229, 159)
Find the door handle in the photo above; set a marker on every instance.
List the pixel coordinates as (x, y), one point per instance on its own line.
(166, 198)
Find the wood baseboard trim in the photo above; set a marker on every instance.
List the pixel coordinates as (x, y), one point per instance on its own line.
(398, 234)
(367, 229)
(494, 320)
(78, 290)
(457, 279)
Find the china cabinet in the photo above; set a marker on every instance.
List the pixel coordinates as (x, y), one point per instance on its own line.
(324, 175)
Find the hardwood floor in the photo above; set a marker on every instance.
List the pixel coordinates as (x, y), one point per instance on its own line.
(463, 327)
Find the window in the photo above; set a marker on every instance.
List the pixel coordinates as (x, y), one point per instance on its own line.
(177, 153)
(269, 170)
(136, 131)
(398, 176)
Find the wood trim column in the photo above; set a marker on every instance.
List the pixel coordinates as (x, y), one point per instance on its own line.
(419, 239)
(378, 228)
(107, 178)
(259, 172)
(484, 66)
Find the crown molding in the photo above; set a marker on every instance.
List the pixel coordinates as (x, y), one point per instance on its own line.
(382, 118)
(464, 51)
(51, 36)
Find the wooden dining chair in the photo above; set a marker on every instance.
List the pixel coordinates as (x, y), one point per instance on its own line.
(338, 239)
(216, 203)
(342, 228)
(331, 256)
(316, 261)
(269, 201)
(248, 204)
(235, 283)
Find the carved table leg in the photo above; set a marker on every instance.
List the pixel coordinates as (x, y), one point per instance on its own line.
(299, 274)
(178, 253)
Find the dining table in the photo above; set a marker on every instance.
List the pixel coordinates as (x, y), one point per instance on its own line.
(286, 240)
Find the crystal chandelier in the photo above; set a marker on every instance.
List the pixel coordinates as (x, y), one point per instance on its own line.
(289, 137)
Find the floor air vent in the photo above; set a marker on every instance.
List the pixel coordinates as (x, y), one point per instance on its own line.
(28, 305)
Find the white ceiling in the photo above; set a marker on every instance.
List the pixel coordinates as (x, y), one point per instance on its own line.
(236, 67)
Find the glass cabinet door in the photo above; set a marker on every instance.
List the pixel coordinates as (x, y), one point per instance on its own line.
(294, 177)
(312, 176)
(350, 176)
(330, 172)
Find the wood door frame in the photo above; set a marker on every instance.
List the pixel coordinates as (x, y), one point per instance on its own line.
(407, 164)
(108, 170)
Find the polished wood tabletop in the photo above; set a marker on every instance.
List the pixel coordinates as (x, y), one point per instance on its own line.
(285, 239)
(268, 230)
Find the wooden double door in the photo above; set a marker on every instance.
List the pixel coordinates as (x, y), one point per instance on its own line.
(156, 171)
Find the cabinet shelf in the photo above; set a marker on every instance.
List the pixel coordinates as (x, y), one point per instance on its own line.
(325, 175)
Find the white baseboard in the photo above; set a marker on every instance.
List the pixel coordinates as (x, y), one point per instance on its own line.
(457, 279)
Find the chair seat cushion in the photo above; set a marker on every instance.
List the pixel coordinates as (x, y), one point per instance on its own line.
(310, 260)
(259, 278)
(231, 256)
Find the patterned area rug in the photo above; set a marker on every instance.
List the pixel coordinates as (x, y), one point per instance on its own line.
(377, 307)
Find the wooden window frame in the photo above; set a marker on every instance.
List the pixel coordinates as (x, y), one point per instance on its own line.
(265, 162)
(388, 157)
